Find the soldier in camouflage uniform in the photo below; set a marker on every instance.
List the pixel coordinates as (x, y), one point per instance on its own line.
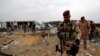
(69, 36)
(85, 28)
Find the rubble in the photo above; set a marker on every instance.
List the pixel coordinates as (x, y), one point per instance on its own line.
(12, 42)
(4, 47)
(3, 54)
(88, 54)
(32, 45)
(15, 42)
(3, 35)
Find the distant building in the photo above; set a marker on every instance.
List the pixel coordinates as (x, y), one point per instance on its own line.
(16, 24)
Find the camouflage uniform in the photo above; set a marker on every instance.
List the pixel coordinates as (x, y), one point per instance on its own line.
(69, 35)
(85, 28)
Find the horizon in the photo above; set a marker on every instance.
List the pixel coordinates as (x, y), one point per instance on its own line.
(48, 10)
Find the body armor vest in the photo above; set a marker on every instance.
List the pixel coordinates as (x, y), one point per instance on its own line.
(67, 31)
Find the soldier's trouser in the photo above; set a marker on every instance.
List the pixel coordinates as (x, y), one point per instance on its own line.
(74, 50)
(85, 37)
(71, 49)
(33, 30)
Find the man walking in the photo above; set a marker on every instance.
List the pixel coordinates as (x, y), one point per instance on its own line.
(33, 27)
(69, 36)
(85, 30)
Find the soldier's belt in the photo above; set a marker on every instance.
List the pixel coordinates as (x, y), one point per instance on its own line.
(67, 43)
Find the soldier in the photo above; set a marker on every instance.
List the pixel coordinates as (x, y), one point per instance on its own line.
(33, 27)
(93, 30)
(85, 28)
(25, 26)
(69, 36)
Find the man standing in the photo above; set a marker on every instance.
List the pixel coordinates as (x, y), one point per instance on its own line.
(25, 26)
(93, 30)
(33, 27)
(85, 30)
(69, 35)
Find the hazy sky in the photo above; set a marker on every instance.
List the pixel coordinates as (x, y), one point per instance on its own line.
(48, 10)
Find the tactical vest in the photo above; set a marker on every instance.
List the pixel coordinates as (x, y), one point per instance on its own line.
(67, 31)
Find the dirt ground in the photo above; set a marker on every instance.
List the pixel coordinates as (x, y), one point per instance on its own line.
(33, 45)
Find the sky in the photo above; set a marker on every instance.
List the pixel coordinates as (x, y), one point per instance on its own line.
(48, 10)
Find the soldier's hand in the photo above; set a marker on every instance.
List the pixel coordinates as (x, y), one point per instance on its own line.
(77, 42)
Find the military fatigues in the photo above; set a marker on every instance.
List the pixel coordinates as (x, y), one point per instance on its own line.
(68, 34)
(85, 31)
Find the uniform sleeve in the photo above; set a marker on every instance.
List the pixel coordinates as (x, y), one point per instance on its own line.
(89, 27)
(78, 31)
(59, 27)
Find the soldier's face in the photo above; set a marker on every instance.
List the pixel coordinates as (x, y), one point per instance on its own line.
(82, 20)
(66, 18)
